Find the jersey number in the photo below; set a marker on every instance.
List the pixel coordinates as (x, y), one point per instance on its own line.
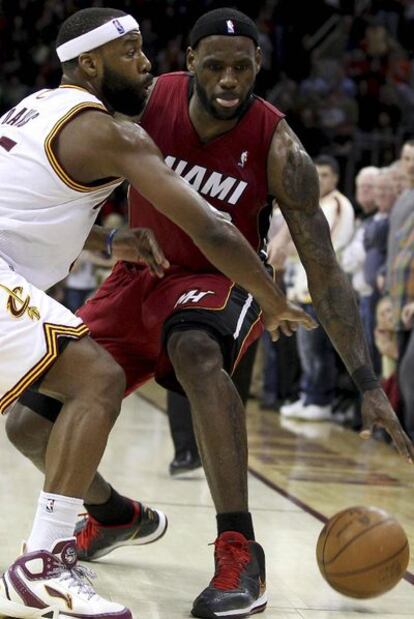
(7, 143)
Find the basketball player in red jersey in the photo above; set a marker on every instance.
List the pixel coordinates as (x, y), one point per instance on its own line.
(235, 149)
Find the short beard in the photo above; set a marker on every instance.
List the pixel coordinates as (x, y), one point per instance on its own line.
(210, 109)
(121, 95)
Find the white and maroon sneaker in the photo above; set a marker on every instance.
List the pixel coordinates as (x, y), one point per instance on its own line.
(52, 585)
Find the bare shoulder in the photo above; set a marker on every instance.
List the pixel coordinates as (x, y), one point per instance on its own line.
(292, 176)
(94, 144)
(96, 129)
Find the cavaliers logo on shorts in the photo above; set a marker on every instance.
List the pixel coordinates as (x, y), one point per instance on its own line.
(18, 306)
(31, 326)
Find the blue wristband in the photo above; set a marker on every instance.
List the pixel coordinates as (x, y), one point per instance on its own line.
(109, 240)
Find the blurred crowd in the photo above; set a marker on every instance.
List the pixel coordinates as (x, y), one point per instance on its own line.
(374, 243)
(341, 69)
(343, 72)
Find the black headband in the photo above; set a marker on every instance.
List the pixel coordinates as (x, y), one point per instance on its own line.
(226, 23)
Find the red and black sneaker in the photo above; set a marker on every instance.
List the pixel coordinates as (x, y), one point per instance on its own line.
(94, 540)
(238, 588)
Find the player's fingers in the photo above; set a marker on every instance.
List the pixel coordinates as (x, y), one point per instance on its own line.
(299, 315)
(401, 440)
(310, 323)
(274, 335)
(149, 259)
(285, 328)
(157, 252)
(366, 433)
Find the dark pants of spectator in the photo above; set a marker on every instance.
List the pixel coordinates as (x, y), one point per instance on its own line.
(281, 370)
(73, 298)
(270, 392)
(318, 359)
(181, 426)
(406, 379)
(367, 311)
(179, 411)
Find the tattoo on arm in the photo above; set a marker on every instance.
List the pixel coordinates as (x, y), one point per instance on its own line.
(300, 183)
(330, 289)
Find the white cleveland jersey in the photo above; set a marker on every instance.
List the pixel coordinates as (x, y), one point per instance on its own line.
(45, 216)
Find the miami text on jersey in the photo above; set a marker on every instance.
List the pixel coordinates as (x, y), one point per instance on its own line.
(213, 184)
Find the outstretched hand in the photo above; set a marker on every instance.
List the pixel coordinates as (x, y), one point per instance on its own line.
(287, 320)
(377, 411)
(140, 245)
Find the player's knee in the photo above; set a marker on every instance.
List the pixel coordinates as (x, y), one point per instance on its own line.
(29, 433)
(108, 386)
(194, 354)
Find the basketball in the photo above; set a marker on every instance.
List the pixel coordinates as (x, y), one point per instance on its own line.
(362, 552)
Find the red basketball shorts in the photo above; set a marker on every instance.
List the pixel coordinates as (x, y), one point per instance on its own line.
(133, 313)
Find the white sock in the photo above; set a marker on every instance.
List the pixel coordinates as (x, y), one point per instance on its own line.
(55, 519)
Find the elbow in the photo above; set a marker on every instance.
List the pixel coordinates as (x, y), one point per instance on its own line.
(218, 232)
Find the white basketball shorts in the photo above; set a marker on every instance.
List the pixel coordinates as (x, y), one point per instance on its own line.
(31, 323)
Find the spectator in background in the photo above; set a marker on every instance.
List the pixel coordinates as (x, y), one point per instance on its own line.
(386, 343)
(399, 177)
(317, 355)
(375, 245)
(281, 366)
(80, 283)
(401, 282)
(365, 190)
(406, 372)
(402, 209)
(90, 269)
(353, 256)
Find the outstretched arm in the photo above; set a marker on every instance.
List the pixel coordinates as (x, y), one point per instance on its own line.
(294, 183)
(123, 149)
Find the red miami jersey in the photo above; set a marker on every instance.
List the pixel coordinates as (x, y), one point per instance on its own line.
(229, 171)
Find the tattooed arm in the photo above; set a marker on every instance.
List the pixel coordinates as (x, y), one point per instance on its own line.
(293, 181)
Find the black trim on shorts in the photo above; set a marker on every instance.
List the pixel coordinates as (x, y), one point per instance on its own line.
(219, 324)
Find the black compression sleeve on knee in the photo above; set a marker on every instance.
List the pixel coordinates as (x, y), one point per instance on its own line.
(43, 405)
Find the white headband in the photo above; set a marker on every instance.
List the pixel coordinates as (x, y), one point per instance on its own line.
(95, 38)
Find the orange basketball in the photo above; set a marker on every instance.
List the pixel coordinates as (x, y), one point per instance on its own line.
(362, 552)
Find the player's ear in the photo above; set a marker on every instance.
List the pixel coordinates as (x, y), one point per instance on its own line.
(190, 59)
(88, 63)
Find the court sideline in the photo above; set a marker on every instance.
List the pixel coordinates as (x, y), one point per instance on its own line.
(300, 473)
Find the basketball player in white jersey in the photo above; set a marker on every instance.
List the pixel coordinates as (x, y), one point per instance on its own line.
(61, 154)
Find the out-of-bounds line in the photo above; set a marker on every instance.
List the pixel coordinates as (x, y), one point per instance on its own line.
(409, 577)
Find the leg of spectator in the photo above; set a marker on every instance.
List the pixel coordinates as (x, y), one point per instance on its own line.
(242, 375)
(181, 425)
(269, 393)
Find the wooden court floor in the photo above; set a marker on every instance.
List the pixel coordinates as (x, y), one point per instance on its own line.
(301, 473)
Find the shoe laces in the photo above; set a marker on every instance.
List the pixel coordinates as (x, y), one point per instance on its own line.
(88, 533)
(231, 559)
(78, 577)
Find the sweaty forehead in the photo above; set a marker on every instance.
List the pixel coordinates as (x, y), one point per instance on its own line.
(224, 46)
